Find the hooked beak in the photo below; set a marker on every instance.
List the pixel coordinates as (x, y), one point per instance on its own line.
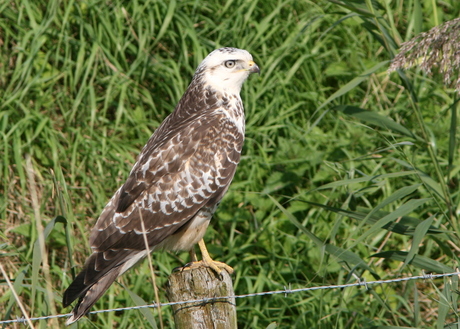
(253, 68)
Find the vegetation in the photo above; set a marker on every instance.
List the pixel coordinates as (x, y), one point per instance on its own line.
(348, 171)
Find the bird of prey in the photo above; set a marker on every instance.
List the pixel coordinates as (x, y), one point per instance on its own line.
(178, 181)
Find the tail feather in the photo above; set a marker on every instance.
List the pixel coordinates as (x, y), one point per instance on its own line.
(99, 273)
(76, 289)
(88, 294)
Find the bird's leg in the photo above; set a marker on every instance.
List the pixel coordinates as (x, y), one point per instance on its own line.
(206, 261)
(192, 254)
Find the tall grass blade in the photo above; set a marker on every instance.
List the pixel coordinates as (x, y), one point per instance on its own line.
(294, 220)
(349, 257)
(419, 234)
(147, 313)
(353, 84)
(375, 119)
(375, 179)
(166, 20)
(452, 134)
(37, 257)
(18, 286)
(401, 211)
(445, 305)
(419, 261)
(405, 225)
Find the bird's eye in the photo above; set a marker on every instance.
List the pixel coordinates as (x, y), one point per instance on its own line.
(229, 64)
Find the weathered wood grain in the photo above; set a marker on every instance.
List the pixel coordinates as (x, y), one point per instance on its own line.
(202, 283)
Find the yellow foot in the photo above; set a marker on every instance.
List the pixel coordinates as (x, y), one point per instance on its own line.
(212, 264)
(206, 262)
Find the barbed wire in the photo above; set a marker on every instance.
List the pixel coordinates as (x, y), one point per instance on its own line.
(285, 291)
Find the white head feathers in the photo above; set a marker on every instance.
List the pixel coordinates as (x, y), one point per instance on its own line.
(226, 69)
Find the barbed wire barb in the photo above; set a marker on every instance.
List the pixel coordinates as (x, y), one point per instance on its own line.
(287, 290)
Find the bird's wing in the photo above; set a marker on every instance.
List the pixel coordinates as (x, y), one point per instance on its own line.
(169, 184)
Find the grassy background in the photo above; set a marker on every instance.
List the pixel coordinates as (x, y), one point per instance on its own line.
(347, 171)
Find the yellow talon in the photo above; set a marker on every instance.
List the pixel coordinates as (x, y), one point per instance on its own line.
(206, 261)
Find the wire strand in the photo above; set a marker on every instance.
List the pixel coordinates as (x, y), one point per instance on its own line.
(286, 291)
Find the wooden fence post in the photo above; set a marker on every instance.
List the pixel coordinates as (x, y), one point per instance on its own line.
(200, 283)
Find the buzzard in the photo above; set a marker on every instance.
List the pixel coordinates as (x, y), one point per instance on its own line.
(176, 184)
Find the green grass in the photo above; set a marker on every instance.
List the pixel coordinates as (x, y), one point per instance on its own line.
(325, 191)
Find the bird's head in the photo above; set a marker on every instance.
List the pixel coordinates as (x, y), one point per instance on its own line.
(226, 69)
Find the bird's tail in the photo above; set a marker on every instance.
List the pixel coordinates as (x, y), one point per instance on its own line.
(87, 294)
